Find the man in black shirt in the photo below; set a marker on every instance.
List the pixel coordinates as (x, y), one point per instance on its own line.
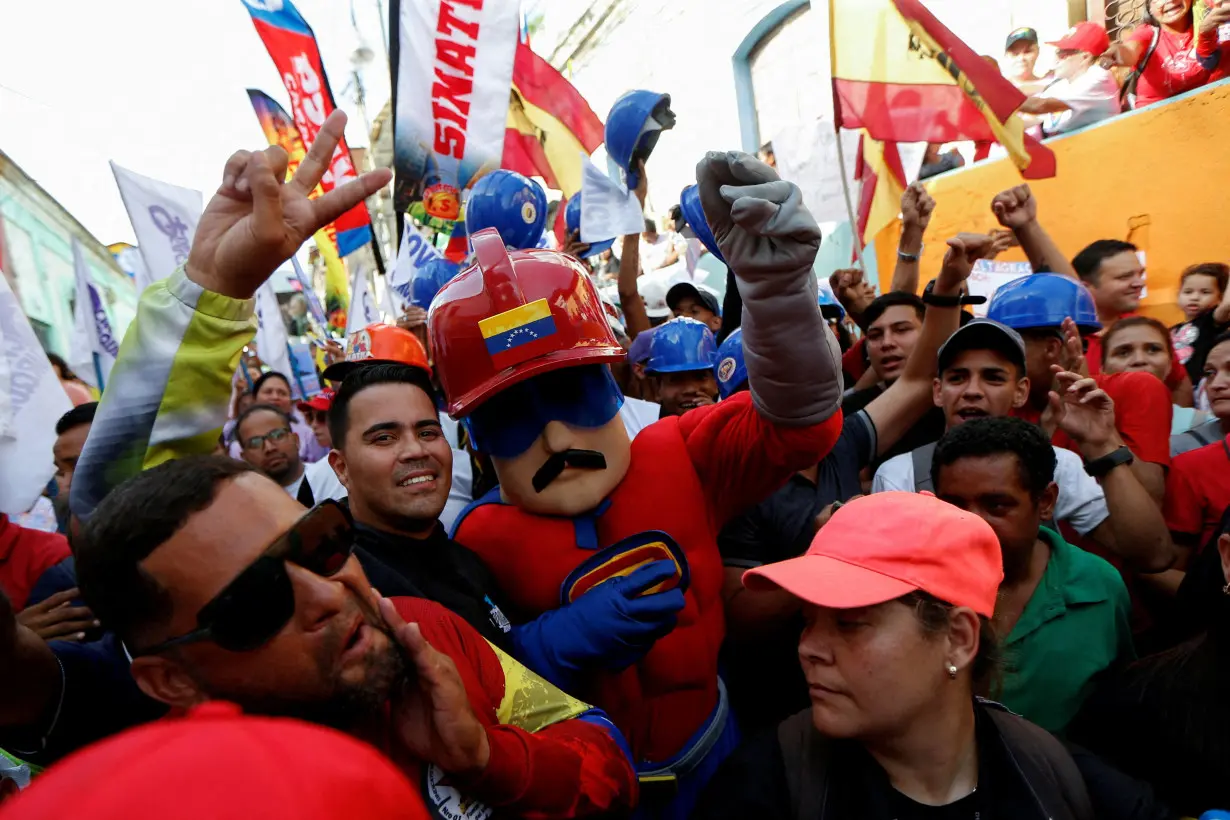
(391, 454)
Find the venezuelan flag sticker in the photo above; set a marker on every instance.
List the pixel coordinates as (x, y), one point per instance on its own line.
(510, 335)
(622, 559)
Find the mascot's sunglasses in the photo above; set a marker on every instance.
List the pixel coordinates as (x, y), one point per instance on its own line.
(252, 609)
(507, 424)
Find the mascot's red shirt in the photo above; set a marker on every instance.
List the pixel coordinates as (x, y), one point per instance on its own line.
(688, 476)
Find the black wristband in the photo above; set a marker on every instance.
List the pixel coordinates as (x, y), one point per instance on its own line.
(930, 298)
(1099, 467)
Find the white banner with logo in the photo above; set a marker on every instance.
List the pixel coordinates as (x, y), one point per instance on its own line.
(32, 403)
(451, 79)
(414, 253)
(271, 339)
(363, 310)
(989, 276)
(608, 209)
(92, 346)
(164, 218)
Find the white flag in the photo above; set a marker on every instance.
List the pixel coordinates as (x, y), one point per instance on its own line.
(608, 209)
(414, 253)
(363, 311)
(164, 218)
(92, 347)
(33, 403)
(271, 340)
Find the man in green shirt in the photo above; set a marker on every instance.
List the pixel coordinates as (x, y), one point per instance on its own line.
(1064, 611)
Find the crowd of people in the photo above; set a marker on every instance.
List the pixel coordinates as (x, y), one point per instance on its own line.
(575, 544)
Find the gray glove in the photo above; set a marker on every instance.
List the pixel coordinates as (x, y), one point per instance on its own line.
(770, 241)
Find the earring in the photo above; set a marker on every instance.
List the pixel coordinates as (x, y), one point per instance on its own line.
(1226, 589)
(952, 669)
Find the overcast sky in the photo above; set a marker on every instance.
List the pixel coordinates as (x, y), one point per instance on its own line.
(159, 87)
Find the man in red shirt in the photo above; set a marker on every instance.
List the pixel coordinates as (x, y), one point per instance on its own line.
(222, 589)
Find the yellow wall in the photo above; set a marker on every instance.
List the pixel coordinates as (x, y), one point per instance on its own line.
(1168, 165)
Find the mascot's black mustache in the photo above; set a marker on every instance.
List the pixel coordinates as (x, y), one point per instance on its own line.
(585, 459)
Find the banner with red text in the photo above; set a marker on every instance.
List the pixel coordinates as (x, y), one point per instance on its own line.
(452, 71)
(292, 45)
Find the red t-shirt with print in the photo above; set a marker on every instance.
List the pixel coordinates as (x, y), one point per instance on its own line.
(1172, 69)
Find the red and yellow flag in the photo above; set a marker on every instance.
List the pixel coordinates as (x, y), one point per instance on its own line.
(879, 170)
(549, 124)
(899, 73)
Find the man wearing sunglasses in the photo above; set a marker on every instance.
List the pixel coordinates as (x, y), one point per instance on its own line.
(221, 588)
(610, 545)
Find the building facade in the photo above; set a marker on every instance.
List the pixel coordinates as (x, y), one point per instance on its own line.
(38, 261)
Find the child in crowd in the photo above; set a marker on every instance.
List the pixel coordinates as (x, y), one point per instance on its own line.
(1206, 314)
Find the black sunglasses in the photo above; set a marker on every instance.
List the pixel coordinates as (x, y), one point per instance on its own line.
(252, 609)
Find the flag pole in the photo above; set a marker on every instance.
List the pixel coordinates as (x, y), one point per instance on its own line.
(98, 374)
(841, 154)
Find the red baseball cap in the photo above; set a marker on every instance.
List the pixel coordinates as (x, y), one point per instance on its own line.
(321, 402)
(216, 764)
(887, 545)
(379, 344)
(1088, 36)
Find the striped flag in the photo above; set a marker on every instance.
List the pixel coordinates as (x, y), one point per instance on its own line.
(549, 124)
(899, 73)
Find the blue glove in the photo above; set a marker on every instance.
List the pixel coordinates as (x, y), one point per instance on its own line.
(610, 627)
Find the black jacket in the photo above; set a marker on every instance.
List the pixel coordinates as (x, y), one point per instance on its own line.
(795, 772)
(436, 568)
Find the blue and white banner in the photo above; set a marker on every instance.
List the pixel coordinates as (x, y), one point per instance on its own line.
(414, 255)
(363, 309)
(31, 402)
(93, 348)
(314, 306)
(164, 218)
(305, 381)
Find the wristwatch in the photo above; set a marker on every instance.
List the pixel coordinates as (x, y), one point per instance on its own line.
(1102, 465)
(910, 257)
(930, 298)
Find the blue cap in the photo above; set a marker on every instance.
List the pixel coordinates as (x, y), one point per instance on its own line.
(627, 138)
(1044, 300)
(682, 345)
(731, 370)
(694, 215)
(638, 351)
(572, 224)
(830, 308)
(514, 205)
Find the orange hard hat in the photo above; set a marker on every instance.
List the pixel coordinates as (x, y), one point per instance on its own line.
(379, 344)
(512, 316)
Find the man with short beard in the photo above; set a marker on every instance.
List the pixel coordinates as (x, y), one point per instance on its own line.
(267, 441)
(221, 588)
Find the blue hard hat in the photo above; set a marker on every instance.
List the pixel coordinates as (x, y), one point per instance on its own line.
(830, 308)
(514, 205)
(572, 224)
(681, 345)
(694, 215)
(430, 278)
(1044, 300)
(627, 139)
(731, 371)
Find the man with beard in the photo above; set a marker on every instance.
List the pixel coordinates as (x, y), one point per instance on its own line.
(221, 588)
(268, 442)
(682, 355)
(982, 373)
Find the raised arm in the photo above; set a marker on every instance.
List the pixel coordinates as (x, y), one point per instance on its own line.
(916, 208)
(170, 387)
(637, 320)
(900, 407)
(1017, 210)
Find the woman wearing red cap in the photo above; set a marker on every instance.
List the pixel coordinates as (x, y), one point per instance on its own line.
(898, 590)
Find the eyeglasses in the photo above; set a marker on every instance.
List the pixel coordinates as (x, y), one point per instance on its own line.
(252, 609)
(257, 442)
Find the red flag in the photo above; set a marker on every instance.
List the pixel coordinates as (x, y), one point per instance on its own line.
(549, 124)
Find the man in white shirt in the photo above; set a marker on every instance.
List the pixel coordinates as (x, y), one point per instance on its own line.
(267, 442)
(660, 250)
(1084, 92)
(982, 374)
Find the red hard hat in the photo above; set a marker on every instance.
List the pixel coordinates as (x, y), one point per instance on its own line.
(512, 316)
